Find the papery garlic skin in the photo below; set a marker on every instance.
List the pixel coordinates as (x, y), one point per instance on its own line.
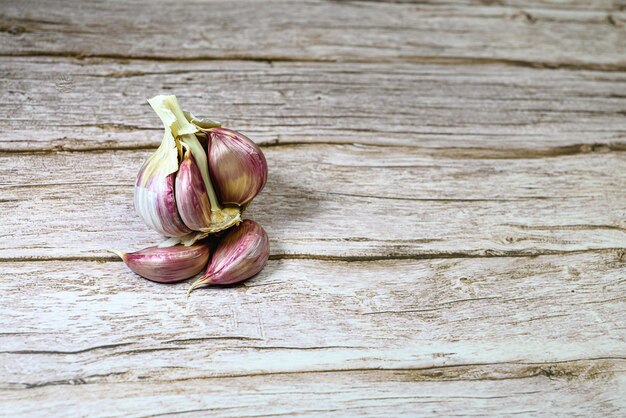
(241, 253)
(191, 196)
(167, 265)
(237, 166)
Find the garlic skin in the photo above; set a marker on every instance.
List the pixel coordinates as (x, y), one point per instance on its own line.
(167, 265)
(191, 196)
(237, 166)
(240, 254)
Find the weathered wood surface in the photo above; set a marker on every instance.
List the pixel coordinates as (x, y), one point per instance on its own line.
(337, 201)
(544, 33)
(405, 337)
(445, 207)
(541, 112)
(378, 393)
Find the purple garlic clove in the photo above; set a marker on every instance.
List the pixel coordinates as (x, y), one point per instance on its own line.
(155, 201)
(237, 166)
(167, 265)
(191, 195)
(154, 189)
(240, 254)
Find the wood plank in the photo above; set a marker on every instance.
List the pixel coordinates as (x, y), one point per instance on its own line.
(335, 201)
(59, 103)
(395, 393)
(320, 31)
(433, 333)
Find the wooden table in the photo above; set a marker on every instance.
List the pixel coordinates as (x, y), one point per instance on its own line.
(446, 207)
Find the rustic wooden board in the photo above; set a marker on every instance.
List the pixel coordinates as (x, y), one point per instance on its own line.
(343, 333)
(540, 35)
(336, 201)
(585, 391)
(60, 103)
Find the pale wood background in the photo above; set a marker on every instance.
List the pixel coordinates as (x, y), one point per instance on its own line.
(446, 207)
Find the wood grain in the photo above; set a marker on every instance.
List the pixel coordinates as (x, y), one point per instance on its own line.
(59, 103)
(321, 31)
(551, 323)
(335, 201)
(363, 393)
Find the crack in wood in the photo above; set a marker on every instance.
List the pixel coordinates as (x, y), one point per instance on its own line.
(442, 200)
(580, 227)
(431, 309)
(413, 59)
(588, 369)
(488, 253)
(447, 152)
(193, 340)
(49, 352)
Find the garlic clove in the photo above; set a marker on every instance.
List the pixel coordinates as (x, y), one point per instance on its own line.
(154, 189)
(237, 166)
(221, 217)
(167, 265)
(191, 196)
(239, 255)
(155, 201)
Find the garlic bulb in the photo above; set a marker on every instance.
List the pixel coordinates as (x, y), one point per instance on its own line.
(239, 255)
(196, 184)
(183, 193)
